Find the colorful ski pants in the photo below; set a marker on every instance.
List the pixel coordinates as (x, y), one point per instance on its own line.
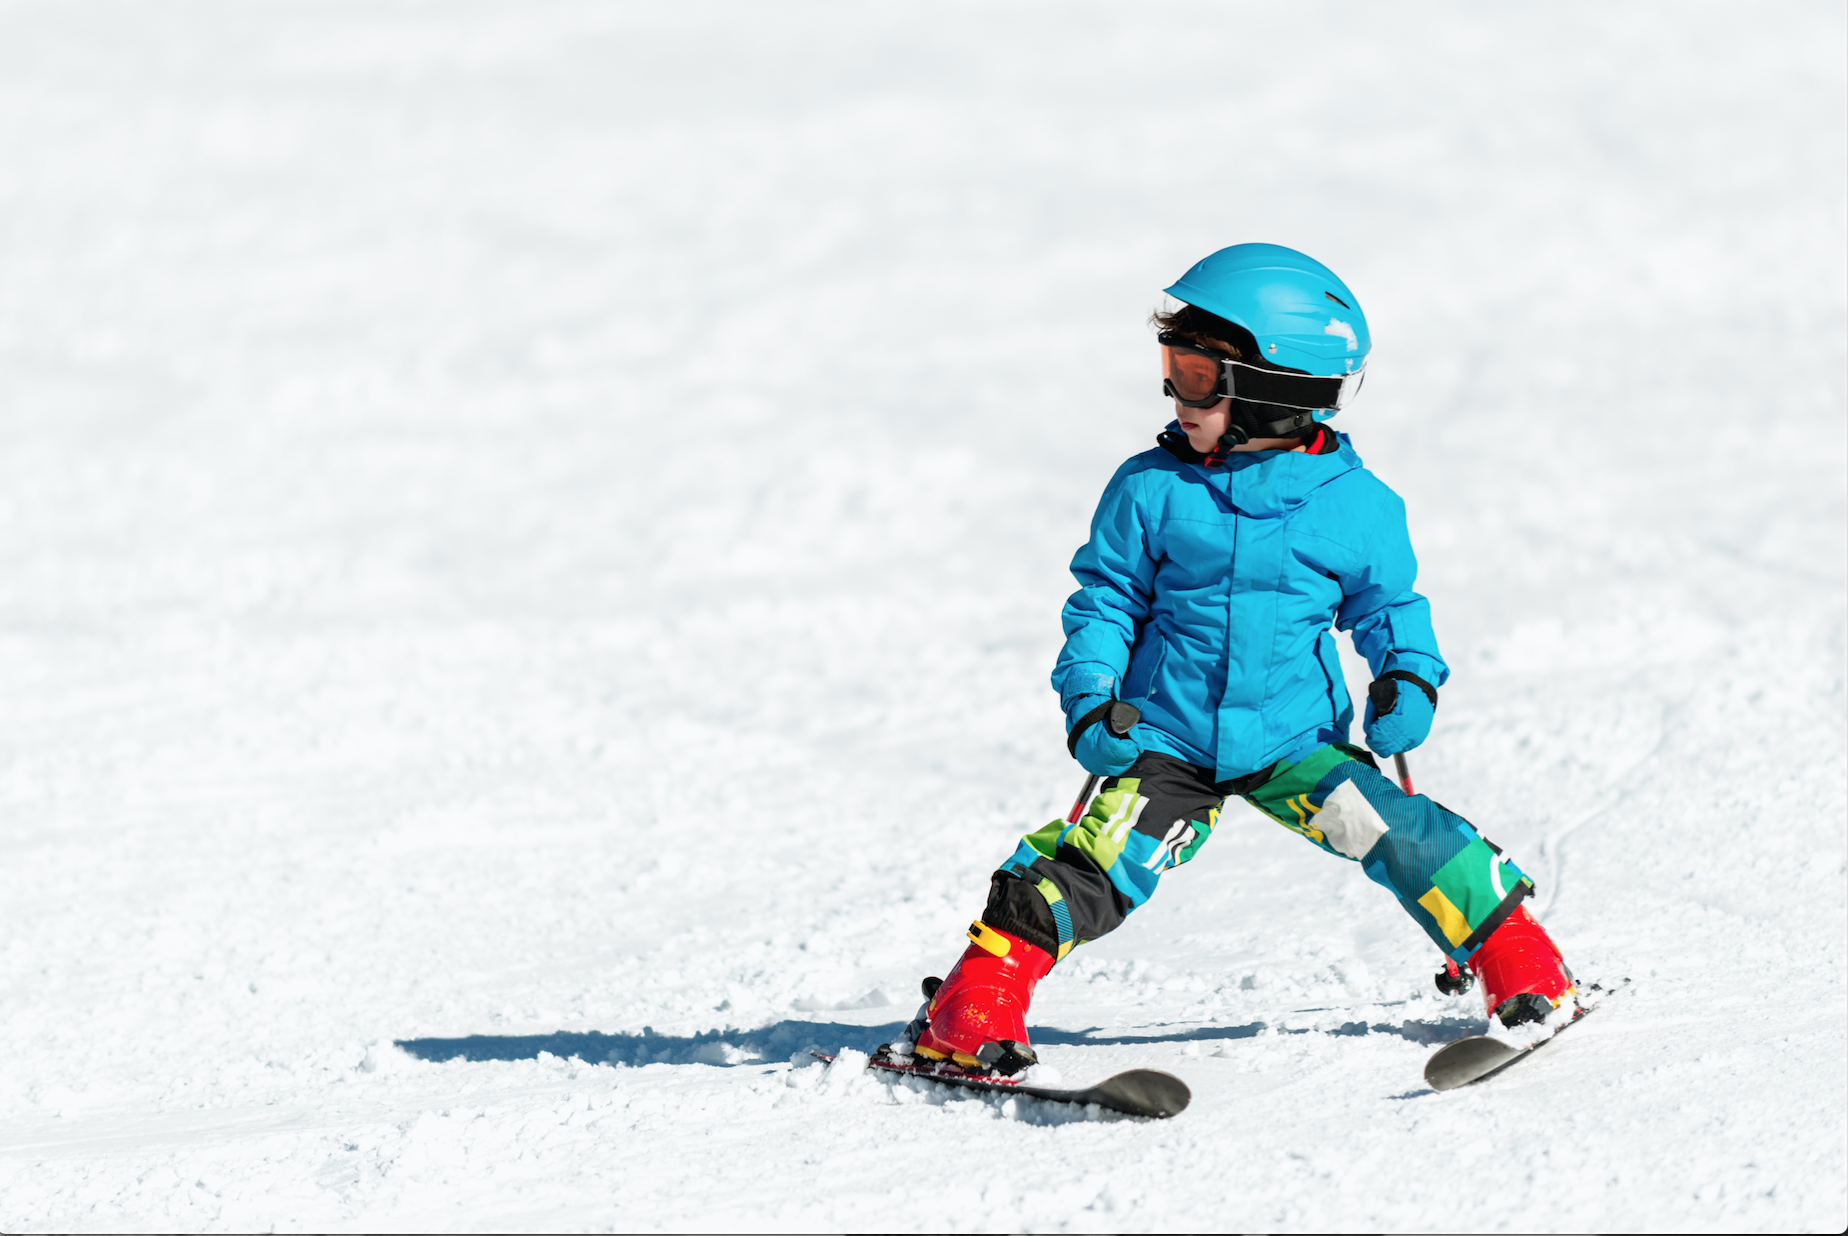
(1069, 883)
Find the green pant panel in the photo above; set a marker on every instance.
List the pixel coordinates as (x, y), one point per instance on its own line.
(1087, 877)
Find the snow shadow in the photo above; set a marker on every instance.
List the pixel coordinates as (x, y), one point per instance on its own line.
(725, 1047)
(1427, 1032)
(784, 1039)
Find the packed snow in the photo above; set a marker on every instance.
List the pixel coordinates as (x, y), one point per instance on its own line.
(531, 539)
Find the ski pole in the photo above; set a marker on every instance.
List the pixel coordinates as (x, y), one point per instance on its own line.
(1453, 981)
(1120, 719)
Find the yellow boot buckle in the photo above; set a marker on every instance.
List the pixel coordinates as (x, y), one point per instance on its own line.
(988, 938)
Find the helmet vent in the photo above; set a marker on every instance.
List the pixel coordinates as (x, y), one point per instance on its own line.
(1337, 300)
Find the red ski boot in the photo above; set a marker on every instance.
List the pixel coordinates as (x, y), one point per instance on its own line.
(978, 1016)
(1523, 976)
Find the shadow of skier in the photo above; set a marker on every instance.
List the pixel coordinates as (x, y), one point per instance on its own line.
(791, 1038)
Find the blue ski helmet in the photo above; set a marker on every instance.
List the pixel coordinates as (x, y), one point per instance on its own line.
(1301, 315)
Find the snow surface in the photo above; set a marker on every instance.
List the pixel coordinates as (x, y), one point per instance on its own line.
(531, 538)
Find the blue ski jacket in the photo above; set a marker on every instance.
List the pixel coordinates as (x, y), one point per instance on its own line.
(1207, 595)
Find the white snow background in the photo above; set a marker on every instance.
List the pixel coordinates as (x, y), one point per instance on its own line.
(531, 539)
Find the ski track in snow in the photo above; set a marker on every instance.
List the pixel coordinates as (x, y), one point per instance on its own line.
(533, 536)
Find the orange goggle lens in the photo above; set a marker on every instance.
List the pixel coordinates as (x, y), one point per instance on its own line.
(1194, 376)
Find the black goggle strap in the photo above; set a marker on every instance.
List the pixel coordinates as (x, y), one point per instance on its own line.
(1289, 390)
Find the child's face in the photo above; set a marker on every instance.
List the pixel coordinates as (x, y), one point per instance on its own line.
(1203, 426)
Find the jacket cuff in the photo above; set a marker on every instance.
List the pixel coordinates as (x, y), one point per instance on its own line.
(1083, 684)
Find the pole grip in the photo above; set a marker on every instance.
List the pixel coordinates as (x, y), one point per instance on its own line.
(1119, 718)
(1405, 774)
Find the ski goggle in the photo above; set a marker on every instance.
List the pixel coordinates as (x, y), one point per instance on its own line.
(1200, 379)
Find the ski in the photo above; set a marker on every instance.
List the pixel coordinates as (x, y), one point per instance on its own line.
(1482, 1056)
(1139, 1092)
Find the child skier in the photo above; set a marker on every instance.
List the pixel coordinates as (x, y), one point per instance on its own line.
(1199, 663)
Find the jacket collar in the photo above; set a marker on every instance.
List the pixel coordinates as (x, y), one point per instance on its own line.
(1173, 441)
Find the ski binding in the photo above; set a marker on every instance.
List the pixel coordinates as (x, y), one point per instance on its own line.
(1149, 1093)
(1483, 1055)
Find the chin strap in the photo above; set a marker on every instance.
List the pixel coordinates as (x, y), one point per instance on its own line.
(1176, 444)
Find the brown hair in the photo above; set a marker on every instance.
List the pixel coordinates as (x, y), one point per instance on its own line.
(1206, 330)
